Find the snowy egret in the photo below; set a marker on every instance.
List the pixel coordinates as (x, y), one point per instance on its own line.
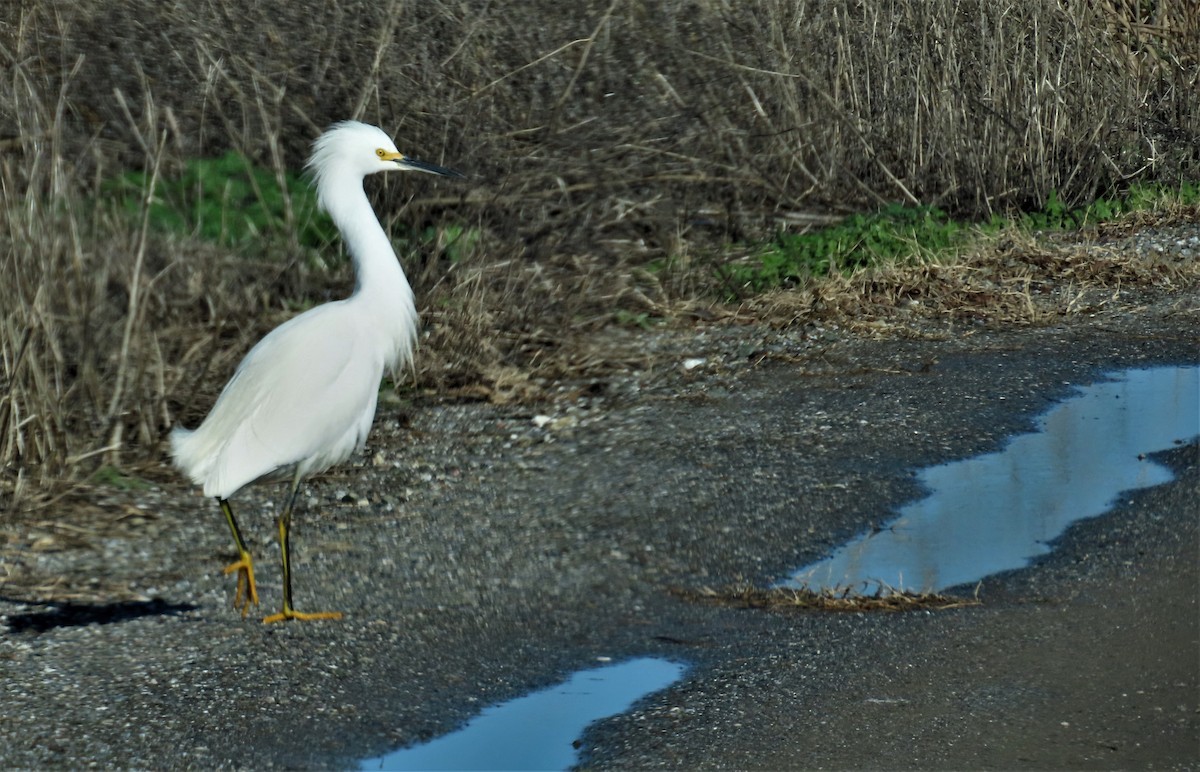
(304, 397)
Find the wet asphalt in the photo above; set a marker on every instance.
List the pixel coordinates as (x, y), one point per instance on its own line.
(480, 552)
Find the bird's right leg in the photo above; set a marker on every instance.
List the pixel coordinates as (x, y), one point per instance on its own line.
(247, 591)
(285, 551)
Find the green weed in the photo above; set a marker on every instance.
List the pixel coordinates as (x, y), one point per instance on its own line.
(890, 234)
(454, 241)
(630, 319)
(900, 232)
(115, 478)
(1054, 215)
(229, 201)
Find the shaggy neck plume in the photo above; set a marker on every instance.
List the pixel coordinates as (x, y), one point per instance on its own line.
(380, 284)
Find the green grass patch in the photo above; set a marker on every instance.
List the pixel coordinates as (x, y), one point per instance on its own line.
(890, 234)
(228, 201)
(641, 319)
(233, 203)
(903, 232)
(1055, 215)
(454, 241)
(115, 478)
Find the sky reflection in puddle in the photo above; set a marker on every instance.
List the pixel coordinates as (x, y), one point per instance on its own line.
(537, 731)
(995, 512)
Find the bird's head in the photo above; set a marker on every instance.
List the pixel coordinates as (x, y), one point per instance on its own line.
(360, 149)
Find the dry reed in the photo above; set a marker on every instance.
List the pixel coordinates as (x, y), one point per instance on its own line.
(598, 138)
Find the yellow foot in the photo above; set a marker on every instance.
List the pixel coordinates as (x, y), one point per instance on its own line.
(247, 591)
(288, 614)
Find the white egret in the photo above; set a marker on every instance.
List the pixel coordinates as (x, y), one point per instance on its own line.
(304, 397)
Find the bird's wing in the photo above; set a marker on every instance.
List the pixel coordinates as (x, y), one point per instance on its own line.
(304, 395)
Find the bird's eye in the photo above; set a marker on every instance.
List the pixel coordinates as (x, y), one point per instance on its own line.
(380, 152)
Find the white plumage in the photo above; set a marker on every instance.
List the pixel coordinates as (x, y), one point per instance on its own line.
(304, 398)
(310, 404)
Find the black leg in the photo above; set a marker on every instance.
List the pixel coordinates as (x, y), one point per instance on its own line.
(285, 551)
(247, 591)
(284, 522)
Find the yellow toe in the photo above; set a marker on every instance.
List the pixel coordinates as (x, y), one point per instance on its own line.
(247, 590)
(289, 614)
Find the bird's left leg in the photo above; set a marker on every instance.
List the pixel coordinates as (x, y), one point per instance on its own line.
(247, 592)
(285, 550)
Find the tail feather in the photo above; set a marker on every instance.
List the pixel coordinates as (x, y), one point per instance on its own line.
(183, 452)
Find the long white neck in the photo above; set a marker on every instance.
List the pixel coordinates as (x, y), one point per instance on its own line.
(381, 290)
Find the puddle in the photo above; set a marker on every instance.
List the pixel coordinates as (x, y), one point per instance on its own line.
(995, 512)
(984, 515)
(537, 731)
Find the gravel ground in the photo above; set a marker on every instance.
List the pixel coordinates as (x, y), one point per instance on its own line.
(480, 552)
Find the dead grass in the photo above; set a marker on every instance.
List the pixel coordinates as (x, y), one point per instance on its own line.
(1013, 278)
(838, 599)
(599, 139)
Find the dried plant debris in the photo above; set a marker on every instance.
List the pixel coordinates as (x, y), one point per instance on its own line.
(884, 599)
(1016, 278)
(155, 223)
